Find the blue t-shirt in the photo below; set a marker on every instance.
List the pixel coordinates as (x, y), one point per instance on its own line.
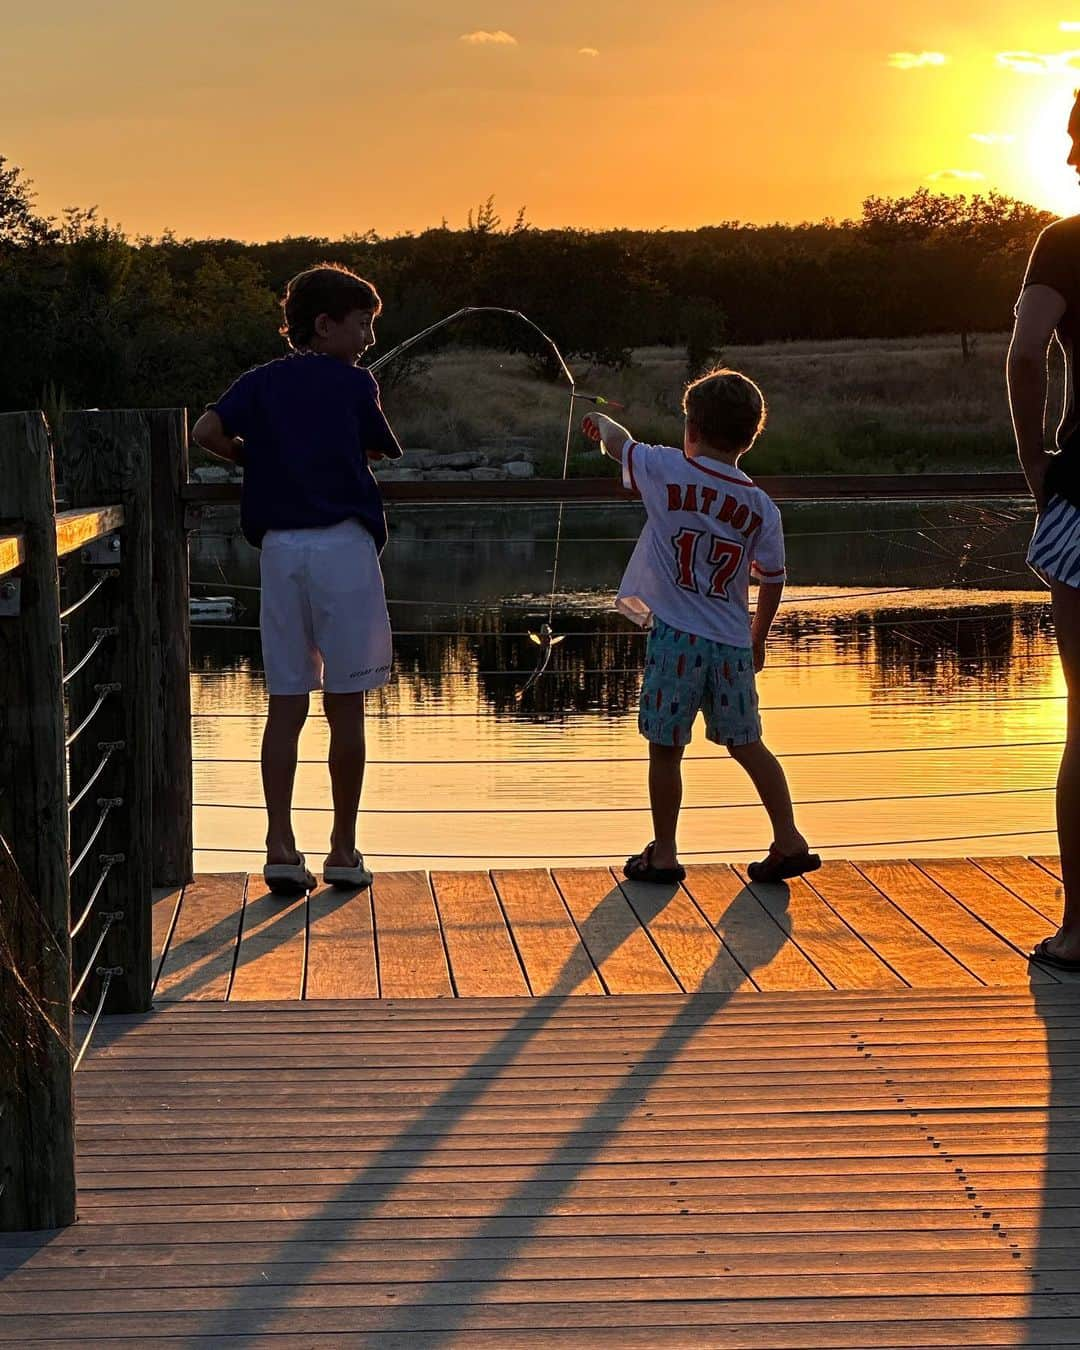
(307, 422)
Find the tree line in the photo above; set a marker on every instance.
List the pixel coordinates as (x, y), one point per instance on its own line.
(91, 317)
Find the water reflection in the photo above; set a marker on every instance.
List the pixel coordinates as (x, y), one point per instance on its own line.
(892, 647)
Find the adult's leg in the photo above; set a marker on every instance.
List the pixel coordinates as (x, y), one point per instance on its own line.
(1066, 602)
(768, 777)
(345, 713)
(284, 722)
(665, 799)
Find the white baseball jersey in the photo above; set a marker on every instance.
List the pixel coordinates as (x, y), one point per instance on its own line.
(708, 529)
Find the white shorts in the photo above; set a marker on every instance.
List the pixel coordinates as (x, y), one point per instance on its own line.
(323, 613)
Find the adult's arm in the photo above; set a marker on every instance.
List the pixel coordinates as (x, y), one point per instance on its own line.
(1037, 315)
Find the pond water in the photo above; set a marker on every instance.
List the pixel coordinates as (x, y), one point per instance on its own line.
(912, 689)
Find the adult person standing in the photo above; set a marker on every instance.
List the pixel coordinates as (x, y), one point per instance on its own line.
(1049, 306)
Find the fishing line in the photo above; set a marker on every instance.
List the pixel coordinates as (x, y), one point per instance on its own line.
(545, 639)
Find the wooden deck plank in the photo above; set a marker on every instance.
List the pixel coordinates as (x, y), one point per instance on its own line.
(839, 953)
(1013, 920)
(201, 953)
(412, 957)
(272, 952)
(756, 941)
(1032, 883)
(555, 960)
(483, 961)
(1051, 862)
(987, 955)
(620, 948)
(341, 945)
(697, 958)
(907, 949)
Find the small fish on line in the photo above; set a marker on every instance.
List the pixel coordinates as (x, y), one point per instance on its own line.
(547, 641)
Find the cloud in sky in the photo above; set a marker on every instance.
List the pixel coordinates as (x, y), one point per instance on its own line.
(916, 60)
(1039, 63)
(993, 137)
(588, 51)
(483, 37)
(955, 176)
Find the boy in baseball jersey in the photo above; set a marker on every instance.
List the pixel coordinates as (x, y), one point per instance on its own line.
(708, 530)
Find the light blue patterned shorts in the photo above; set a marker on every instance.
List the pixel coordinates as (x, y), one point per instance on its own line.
(685, 675)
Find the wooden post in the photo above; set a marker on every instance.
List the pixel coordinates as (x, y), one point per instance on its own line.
(172, 786)
(107, 460)
(37, 1147)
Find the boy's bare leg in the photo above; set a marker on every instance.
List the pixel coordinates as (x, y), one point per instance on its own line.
(665, 799)
(1066, 600)
(284, 722)
(768, 777)
(345, 713)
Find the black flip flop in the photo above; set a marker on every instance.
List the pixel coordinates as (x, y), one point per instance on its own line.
(783, 867)
(640, 868)
(1046, 958)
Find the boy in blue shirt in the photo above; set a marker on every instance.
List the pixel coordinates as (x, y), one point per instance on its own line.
(708, 529)
(304, 427)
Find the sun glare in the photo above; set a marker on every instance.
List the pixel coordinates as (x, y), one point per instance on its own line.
(1049, 182)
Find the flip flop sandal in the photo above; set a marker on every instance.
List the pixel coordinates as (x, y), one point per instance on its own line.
(289, 878)
(355, 878)
(640, 868)
(1047, 958)
(783, 867)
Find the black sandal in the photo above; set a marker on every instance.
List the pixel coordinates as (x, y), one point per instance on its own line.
(640, 868)
(783, 866)
(1047, 958)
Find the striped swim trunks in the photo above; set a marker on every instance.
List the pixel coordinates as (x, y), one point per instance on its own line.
(1055, 546)
(685, 675)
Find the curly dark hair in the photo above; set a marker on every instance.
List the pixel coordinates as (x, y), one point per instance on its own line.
(726, 408)
(327, 289)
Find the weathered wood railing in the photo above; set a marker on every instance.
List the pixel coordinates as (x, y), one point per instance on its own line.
(94, 752)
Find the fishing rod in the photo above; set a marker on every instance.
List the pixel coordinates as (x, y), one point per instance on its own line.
(545, 639)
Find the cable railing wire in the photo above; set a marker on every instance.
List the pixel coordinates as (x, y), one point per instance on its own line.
(105, 576)
(573, 760)
(621, 810)
(103, 691)
(685, 853)
(107, 804)
(107, 921)
(100, 634)
(107, 973)
(109, 748)
(109, 861)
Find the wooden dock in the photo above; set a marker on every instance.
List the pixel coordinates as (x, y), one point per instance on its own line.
(888, 926)
(843, 1114)
(814, 1169)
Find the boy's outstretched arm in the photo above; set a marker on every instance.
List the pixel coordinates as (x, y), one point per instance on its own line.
(768, 602)
(612, 437)
(209, 432)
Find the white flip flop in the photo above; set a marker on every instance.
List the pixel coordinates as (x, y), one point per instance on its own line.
(355, 878)
(289, 878)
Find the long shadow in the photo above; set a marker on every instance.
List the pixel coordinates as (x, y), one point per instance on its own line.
(1054, 1241)
(610, 924)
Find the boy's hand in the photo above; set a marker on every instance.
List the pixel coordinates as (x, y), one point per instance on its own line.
(759, 656)
(374, 456)
(590, 425)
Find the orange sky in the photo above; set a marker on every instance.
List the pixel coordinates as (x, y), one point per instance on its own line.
(258, 120)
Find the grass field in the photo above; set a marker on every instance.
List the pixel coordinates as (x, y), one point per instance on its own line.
(855, 406)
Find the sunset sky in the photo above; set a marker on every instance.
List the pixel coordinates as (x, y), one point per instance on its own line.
(257, 120)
